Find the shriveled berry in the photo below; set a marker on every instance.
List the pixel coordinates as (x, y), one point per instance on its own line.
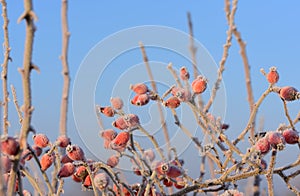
(75, 153)
(116, 103)
(6, 164)
(26, 155)
(139, 88)
(46, 161)
(291, 136)
(182, 94)
(288, 93)
(108, 134)
(112, 161)
(263, 145)
(37, 150)
(107, 111)
(120, 123)
(276, 140)
(66, 170)
(180, 183)
(174, 171)
(63, 141)
(184, 74)
(273, 75)
(140, 99)
(167, 182)
(199, 85)
(41, 140)
(101, 181)
(172, 102)
(263, 164)
(9, 145)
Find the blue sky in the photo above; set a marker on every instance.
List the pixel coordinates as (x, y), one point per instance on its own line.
(270, 28)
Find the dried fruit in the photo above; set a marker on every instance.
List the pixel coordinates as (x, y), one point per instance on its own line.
(107, 111)
(174, 171)
(132, 120)
(9, 145)
(140, 99)
(184, 74)
(41, 140)
(101, 181)
(263, 145)
(76, 179)
(180, 183)
(139, 88)
(38, 151)
(63, 141)
(288, 93)
(199, 84)
(273, 75)
(276, 140)
(75, 153)
(81, 173)
(66, 159)
(87, 183)
(46, 161)
(291, 136)
(172, 102)
(116, 103)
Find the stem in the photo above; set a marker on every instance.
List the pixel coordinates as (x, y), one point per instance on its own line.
(65, 68)
(153, 84)
(269, 174)
(28, 15)
(5, 67)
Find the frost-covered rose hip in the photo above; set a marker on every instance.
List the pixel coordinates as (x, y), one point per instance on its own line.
(182, 94)
(81, 172)
(172, 102)
(149, 154)
(139, 88)
(63, 141)
(180, 183)
(199, 85)
(75, 153)
(66, 170)
(108, 134)
(107, 111)
(288, 93)
(120, 141)
(46, 161)
(276, 140)
(112, 161)
(140, 99)
(120, 123)
(41, 140)
(263, 145)
(273, 75)
(167, 182)
(101, 181)
(116, 103)
(184, 74)
(9, 145)
(37, 150)
(132, 120)
(291, 136)
(87, 183)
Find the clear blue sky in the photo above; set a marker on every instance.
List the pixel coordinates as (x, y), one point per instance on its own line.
(270, 28)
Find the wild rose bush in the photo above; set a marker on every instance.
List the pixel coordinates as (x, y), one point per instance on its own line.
(159, 172)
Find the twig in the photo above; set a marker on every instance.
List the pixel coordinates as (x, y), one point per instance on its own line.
(28, 15)
(5, 67)
(243, 54)
(153, 84)
(287, 114)
(14, 93)
(230, 19)
(65, 67)
(60, 187)
(32, 181)
(269, 174)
